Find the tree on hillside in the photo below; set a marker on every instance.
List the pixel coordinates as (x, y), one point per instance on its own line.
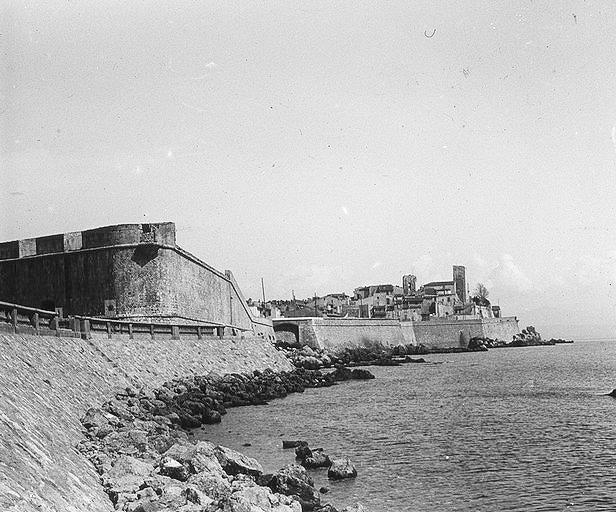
(481, 291)
(481, 295)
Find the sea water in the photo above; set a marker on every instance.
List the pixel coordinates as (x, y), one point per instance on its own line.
(526, 429)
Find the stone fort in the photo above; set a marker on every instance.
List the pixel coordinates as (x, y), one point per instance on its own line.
(132, 272)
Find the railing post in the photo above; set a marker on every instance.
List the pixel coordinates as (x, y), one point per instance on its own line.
(152, 330)
(130, 331)
(221, 331)
(85, 328)
(14, 320)
(175, 332)
(35, 322)
(108, 325)
(199, 335)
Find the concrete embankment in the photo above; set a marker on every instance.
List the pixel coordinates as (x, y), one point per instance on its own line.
(47, 383)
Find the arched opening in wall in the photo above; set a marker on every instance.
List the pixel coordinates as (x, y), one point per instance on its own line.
(287, 334)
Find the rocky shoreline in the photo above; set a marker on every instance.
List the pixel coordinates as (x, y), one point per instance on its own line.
(139, 443)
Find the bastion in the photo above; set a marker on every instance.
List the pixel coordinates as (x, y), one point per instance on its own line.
(132, 272)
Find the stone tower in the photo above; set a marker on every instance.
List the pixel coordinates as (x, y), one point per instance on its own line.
(409, 283)
(459, 279)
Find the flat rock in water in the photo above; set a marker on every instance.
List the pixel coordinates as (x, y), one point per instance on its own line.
(341, 468)
(317, 459)
(358, 507)
(291, 444)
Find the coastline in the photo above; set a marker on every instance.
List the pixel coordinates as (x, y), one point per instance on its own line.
(139, 443)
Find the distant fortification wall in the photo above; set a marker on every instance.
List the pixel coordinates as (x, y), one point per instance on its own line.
(334, 332)
(439, 333)
(48, 382)
(131, 271)
(442, 333)
(500, 328)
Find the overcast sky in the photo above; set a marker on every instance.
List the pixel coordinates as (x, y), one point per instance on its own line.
(328, 145)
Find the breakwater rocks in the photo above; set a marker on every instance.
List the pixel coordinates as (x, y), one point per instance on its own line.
(369, 355)
(528, 337)
(338, 467)
(139, 444)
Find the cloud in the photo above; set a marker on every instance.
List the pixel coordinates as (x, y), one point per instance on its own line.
(508, 274)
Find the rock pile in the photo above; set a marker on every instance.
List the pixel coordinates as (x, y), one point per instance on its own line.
(528, 337)
(374, 354)
(311, 359)
(138, 444)
(338, 467)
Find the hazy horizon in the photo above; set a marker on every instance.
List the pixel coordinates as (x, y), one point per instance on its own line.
(325, 147)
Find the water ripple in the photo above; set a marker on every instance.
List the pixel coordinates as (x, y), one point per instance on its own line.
(512, 430)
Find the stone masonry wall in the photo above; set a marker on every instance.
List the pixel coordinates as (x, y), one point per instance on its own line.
(442, 333)
(334, 333)
(46, 385)
(135, 268)
(500, 328)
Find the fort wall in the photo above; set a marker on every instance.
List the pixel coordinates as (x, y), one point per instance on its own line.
(439, 333)
(48, 382)
(330, 333)
(128, 271)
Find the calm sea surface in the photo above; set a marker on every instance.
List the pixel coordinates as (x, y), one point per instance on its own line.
(510, 429)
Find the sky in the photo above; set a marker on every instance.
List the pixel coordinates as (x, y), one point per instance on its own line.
(329, 145)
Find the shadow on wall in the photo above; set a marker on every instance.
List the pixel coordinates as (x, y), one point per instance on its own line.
(144, 254)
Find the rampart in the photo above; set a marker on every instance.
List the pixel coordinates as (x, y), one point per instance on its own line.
(128, 271)
(48, 382)
(333, 333)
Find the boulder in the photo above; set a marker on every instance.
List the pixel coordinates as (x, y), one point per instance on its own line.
(317, 459)
(340, 374)
(612, 393)
(292, 444)
(234, 462)
(126, 465)
(311, 363)
(173, 469)
(292, 480)
(259, 499)
(212, 484)
(358, 507)
(209, 417)
(202, 457)
(303, 451)
(326, 508)
(360, 374)
(341, 468)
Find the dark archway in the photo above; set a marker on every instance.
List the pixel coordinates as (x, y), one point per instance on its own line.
(287, 333)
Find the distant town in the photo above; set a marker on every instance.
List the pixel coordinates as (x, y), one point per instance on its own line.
(436, 299)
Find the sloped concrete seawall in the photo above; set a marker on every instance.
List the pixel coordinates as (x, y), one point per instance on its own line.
(47, 383)
(337, 333)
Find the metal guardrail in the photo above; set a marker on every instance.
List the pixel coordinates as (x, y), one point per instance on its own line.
(20, 319)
